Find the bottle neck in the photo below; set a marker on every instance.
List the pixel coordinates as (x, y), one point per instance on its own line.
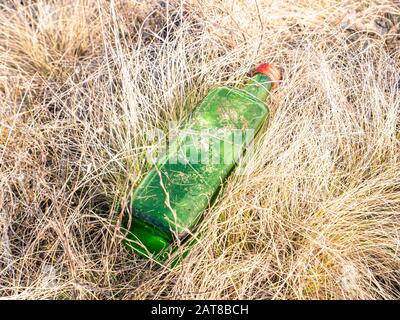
(259, 86)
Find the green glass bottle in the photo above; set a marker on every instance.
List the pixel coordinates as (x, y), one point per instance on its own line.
(170, 200)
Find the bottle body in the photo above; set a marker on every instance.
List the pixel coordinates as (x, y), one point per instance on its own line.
(170, 200)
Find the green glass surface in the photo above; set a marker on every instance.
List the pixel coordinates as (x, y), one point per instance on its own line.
(170, 200)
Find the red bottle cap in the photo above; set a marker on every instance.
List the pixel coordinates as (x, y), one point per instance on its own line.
(271, 71)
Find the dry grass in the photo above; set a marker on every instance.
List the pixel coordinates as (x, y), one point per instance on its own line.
(81, 82)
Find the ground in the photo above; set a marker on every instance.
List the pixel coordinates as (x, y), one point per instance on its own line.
(316, 214)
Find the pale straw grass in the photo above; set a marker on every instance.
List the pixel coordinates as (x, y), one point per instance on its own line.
(82, 83)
